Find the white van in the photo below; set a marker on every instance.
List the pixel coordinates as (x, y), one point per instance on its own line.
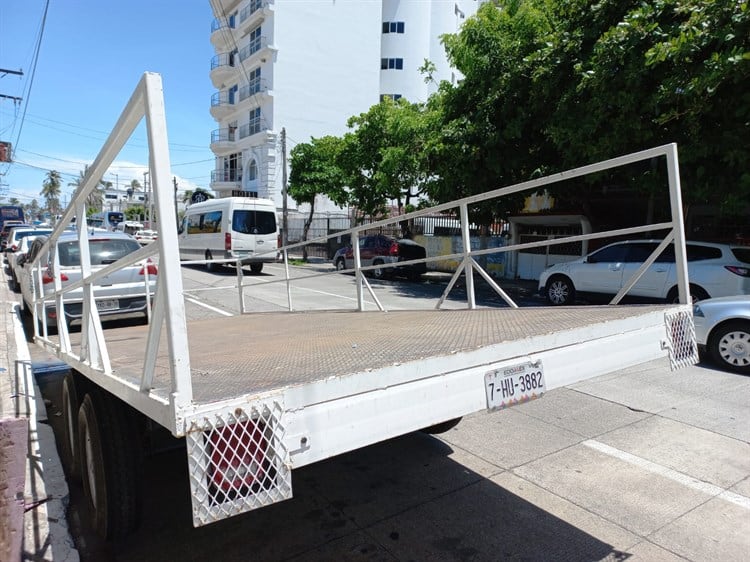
(230, 228)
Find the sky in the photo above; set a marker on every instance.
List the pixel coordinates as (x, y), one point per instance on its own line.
(91, 56)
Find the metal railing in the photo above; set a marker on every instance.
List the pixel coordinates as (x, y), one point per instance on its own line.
(252, 7)
(168, 327)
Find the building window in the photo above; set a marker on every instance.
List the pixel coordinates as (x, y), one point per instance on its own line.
(389, 64)
(393, 27)
(253, 125)
(393, 97)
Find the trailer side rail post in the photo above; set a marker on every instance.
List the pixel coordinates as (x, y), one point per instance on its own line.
(675, 198)
(170, 276)
(287, 280)
(467, 259)
(357, 270)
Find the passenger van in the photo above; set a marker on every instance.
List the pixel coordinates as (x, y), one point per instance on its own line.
(129, 227)
(230, 228)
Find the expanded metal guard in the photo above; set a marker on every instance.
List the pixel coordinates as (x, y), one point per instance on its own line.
(237, 462)
(683, 350)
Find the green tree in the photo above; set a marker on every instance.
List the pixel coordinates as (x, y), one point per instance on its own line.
(51, 191)
(95, 198)
(384, 157)
(187, 195)
(315, 171)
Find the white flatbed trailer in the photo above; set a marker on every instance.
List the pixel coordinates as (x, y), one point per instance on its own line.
(277, 391)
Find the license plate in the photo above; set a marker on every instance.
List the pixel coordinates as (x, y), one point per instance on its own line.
(108, 304)
(513, 385)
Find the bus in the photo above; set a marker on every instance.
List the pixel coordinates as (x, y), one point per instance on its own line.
(11, 213)
(230, 228)
(106, 219)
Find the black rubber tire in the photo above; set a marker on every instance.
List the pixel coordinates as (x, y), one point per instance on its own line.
(73, 388)
(729, 346)
(442, 427)
(210, 267)
(378, 272)
(560, 291)
(696, 294)
(111, 464)
(340, 264)
(14, 286)
(256, 267)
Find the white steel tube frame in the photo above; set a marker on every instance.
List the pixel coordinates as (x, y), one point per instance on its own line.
(168, 312)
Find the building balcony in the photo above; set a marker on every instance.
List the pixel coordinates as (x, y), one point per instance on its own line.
(223, 68)
(256, 51)
(221, 33)
(223, 180)
(222, 104)
(223, 141)
(253, 127)
(252, 13)
(249, 93)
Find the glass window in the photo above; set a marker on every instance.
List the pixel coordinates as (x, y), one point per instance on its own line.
(699, 253)
(102, 252)
(742, 254)
(397, 64)
(254, 222)
(608, 255)
(393, 27)
(639, 252)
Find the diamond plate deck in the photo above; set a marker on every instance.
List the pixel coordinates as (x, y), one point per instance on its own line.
(259, 353)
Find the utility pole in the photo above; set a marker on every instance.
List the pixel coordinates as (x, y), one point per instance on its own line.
(176, 218)
(284, 212)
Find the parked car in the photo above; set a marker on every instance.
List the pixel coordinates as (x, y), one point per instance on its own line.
(5, 231)
(145, 236)
(722, 330)
(714, 270)
(122, 293)
(17, 259)
(378, 249)
(17, 233)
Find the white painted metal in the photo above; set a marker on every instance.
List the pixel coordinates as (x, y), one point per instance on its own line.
(332, 415)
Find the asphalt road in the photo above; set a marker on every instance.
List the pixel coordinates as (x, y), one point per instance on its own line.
(643, 464)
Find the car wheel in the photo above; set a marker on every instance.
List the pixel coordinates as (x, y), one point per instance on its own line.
(340, 264)
(560, 290)
(256, 267)
(696, 294)
(210, 267)
(729, 346)
(378, 272)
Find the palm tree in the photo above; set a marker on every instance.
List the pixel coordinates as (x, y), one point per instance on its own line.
(95, 197)
(135, 185)
(187, 196)
(51, 191)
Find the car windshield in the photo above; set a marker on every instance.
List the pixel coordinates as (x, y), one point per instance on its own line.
(103, 251)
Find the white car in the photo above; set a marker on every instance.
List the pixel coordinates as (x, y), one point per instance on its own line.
(722, 328)
(714, 270)
(122, 293)
(17, 259)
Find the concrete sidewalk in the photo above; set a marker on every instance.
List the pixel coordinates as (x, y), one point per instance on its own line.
(45, 496)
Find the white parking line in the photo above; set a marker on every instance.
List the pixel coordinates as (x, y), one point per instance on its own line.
(208, 306)
(679, 477)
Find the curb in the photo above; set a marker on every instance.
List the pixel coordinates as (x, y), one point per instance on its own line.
(46, 536)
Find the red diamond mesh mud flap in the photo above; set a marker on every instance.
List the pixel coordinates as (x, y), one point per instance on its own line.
(237, 462)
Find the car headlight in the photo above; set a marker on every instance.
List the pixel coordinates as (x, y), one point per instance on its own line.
(697, 311)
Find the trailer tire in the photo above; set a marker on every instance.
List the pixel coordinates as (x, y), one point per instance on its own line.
(73, 387)
(442, 427)
(111, 465)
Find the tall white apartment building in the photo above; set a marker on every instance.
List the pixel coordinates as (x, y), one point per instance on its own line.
(307, 66)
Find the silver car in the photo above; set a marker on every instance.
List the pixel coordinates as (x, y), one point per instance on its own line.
(121, 293)
(722, 330)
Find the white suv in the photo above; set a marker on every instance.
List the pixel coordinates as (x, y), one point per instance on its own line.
(714, 270)
(119, 294)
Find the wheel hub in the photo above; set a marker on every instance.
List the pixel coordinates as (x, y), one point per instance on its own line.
(735, 348)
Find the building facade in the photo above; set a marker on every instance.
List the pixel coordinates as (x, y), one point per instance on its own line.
(306, 67)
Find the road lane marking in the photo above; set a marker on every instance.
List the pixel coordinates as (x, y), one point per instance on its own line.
(208, 306)
(679, 477)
